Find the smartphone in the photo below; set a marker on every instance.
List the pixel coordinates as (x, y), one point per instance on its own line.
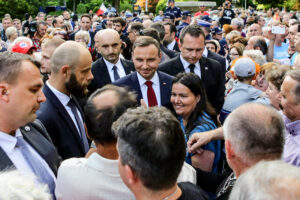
(278, 30)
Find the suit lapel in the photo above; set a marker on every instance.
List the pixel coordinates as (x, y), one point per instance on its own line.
(179, 65)
(5, 162)
(103, 71)
(204, 69)
(63, 112)
(136, 86)
(163, 89)
(125, 66)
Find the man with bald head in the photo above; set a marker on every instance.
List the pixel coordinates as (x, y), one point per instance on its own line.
(255, 29)
(61, 115)
(110, 67)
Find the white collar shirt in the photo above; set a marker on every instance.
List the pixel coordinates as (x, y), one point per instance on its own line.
(155, 86)
(197, 69)
(119, 66)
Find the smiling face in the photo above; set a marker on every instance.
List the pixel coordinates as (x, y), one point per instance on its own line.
(192, 48)
(146, 60)
(183, 100)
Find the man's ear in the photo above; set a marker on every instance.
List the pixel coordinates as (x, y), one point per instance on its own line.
(229, 150)
(65, 70)
(4, 92)
(132, 178)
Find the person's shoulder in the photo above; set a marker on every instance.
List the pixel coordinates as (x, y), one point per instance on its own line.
(191, 192)
(72, 162)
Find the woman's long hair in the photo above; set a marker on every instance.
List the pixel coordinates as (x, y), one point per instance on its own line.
(194, 83)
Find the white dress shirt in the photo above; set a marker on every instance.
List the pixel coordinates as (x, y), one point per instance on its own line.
(171, 45)
(8, 144)
(91, 178)
(155, 86)
(119, 66)
(64, 100)
(186, 64)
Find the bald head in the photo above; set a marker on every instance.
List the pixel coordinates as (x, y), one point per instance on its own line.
(255, 132)
(108, 44)
(255, 30)
(68, 53)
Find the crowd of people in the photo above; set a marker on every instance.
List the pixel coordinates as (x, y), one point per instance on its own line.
(125, 105)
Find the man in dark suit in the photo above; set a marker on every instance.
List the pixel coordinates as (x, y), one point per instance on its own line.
(24, 144)
(110, 67)
(169, 39)
(61, 115)
(220, 59)
(191, 60)
(151, 86)
(85, 25)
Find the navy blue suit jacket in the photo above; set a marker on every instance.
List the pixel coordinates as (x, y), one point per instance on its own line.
(36, 136)
(132, 83)
(60, 126)
(101, 74)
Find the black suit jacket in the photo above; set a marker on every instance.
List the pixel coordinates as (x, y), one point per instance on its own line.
(218, 58)
(92, 34)
(211, 76)
(101, 74)
(176, 47)
(37, 138)
(60, 126)
(169, 52)
(165, 81)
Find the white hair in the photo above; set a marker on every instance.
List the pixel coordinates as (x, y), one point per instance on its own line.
(256, 55)
(268, 180)
(239, 22)
(15, 186)
(10, 31)
(22, 39)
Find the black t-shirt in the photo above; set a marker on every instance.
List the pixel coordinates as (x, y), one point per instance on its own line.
(228, 15)
(191, 192)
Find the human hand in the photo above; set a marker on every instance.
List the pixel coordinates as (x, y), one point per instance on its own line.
(197, 140)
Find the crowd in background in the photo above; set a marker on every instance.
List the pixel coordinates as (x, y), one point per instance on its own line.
(126, 105)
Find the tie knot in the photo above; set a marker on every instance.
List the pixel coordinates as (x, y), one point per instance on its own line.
(20, 142)
(149, 83)
(72, 102)
(192, 67)
(115, 67)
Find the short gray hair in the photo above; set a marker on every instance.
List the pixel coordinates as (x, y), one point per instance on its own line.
(13, 185)
(239, 22)
(268, 180)
(256, 132)
(10, 31)
(67, 53)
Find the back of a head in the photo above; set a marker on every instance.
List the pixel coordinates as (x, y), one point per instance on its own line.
(271, 180)
(160, 28)
(151, 142)
(100, 120)
(244, 68)
(67, 53)
(53, 43)
(152, 33)
(256, 55)
(256, 132)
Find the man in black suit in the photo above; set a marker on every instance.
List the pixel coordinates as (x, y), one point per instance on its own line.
(24, 144)
(169, 39)
(85, 25)
(191, 60)
(61, 114)
(220, 59)
(110, 67)
(151, 86)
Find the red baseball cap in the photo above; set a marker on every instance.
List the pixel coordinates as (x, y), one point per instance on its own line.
(22, 47)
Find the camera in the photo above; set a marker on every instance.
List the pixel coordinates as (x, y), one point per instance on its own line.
(226, 4)
(31, 26)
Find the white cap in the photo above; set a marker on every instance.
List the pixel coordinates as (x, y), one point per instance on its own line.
(244, 67)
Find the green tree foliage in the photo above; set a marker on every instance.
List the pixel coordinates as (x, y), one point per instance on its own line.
(81, 8)
(16, 8)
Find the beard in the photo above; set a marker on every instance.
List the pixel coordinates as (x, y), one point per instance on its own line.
(75, 88)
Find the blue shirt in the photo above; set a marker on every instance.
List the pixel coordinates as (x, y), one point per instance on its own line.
(175, 11)
(204, 123)
(281, 52)
(293, 58)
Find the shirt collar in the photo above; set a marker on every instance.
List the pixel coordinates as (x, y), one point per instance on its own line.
(205, 52)
(8, 142)
(186, 63)
(63, 98)
(171, 45)
(154, 79)
(110, 65)
(292, 127)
